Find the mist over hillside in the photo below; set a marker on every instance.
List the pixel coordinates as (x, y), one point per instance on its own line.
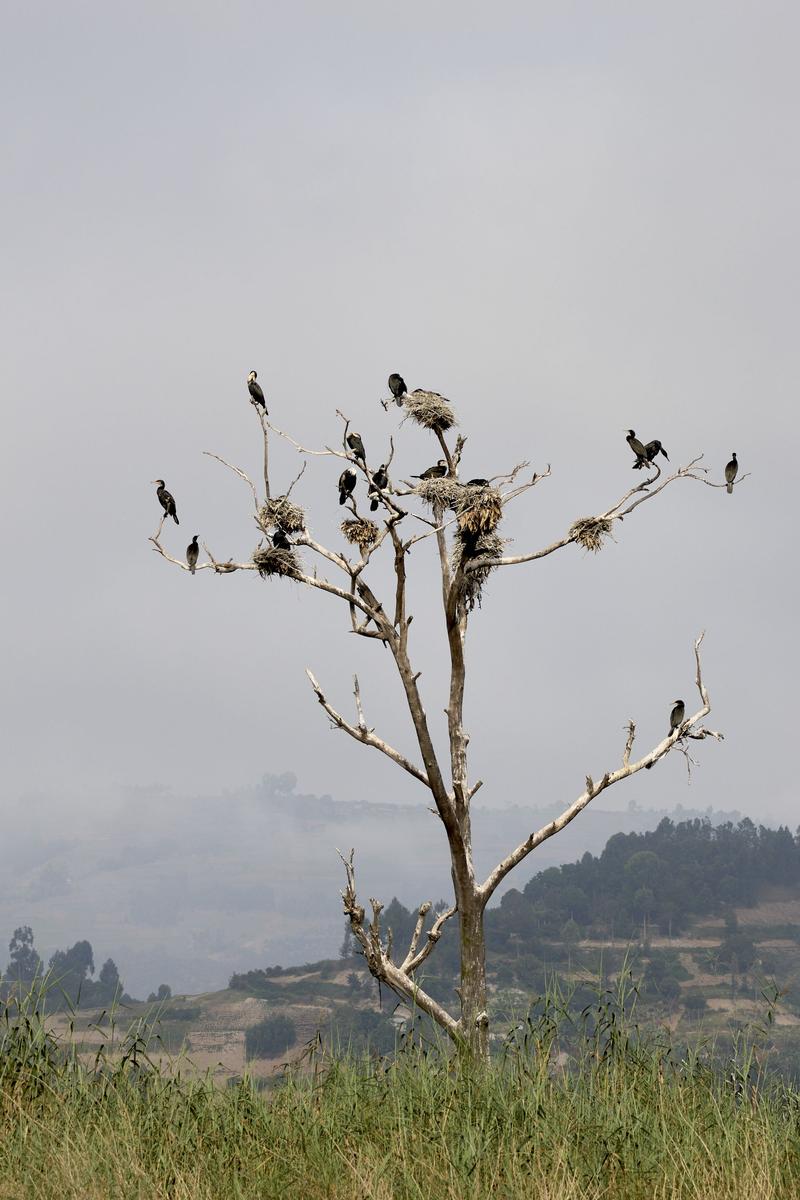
(188, 889)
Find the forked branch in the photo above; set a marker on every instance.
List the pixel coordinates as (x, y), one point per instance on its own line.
(690, 728)
(378, 954)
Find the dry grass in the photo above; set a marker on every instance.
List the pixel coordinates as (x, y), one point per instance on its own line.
(591, 532)
(625, 1119)
(362, 533)
(281, 511)
(271, 561)
(430, 410)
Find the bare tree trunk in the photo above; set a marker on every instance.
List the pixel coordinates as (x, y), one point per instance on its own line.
(474, 1017)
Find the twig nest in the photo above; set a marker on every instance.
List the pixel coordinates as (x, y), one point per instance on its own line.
(480, 510)
(591, 532)
(362, 533)
(430, 410)
(271, 560)
(441, 493)
(281, 511)
(468, 547)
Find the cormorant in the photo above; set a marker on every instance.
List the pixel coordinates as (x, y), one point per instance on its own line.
(279, 539)
(357, 446)
(676, 716)
(166, 501)
(651, 450)
(730, 472)
(477, 483)
(347, 483)
(397, 386)
(637, 448)
(192, 551)
(255, 391)
(437, 472)
(380, 480)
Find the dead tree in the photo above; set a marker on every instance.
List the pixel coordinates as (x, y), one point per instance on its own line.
(461, 520)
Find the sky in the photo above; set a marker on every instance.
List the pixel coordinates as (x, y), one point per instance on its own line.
(571, 219)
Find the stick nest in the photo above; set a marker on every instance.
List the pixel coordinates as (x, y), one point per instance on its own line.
(430, 410)
(362, 533)
(441, 493)
(480, 510)
(270, 560)
(591, 532)
(466, 547)
(281, 511)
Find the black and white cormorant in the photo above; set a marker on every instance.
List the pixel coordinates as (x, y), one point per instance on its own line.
(651, 450)
(397, 386)
(357, 446)
(437, 472)
(677, 715)
(347, 483)
(279, 539)
(192, 551)
(166, 501)
(637, 448)
(380, 480)
(256, 394)
(730, 472)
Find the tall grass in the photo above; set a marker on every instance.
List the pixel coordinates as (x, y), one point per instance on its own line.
(623, 1115)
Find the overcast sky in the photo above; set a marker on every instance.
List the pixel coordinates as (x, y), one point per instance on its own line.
(570, 219)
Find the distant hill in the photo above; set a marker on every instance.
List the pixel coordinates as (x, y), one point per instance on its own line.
(189, 889)
(703, 920)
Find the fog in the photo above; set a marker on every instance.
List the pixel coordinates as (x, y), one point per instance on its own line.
(569, 220)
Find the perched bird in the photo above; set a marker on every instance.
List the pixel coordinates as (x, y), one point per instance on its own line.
(279, 539)
(397, 386)
(256, 394)
(477, 483)
(637, 448)
(357, 446)
(676, 716)
(730, 472)
(437, 472)
(347, 483)
(166, 501)
(380, 480)
(651, 450)
(192, 551)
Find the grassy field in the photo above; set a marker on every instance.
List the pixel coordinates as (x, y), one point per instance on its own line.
(622, 1114)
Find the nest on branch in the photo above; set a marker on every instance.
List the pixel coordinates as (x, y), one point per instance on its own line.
(430, 410)
(362, 533)
(466, 548)
(591, 532)
(480, 510)
(281, 511)
(441, 493)
(271, 560)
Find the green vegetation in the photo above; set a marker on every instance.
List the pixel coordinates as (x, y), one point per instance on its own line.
(620, 1115)
(661, 880)
(269, 1037)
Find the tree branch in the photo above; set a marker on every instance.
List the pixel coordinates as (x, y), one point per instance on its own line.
(617, 512)
(361, 733)
(378, 958)
(237, 471)
(689, 728)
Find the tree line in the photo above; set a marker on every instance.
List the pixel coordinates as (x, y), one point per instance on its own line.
(68, 974)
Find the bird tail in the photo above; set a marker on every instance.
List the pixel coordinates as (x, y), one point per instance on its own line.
(191, 569)
(399, 400)
(730, 489)
(175, 518)
(341, 497)
(374, 506)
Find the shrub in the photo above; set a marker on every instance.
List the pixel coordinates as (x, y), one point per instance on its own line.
(271, 1036)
